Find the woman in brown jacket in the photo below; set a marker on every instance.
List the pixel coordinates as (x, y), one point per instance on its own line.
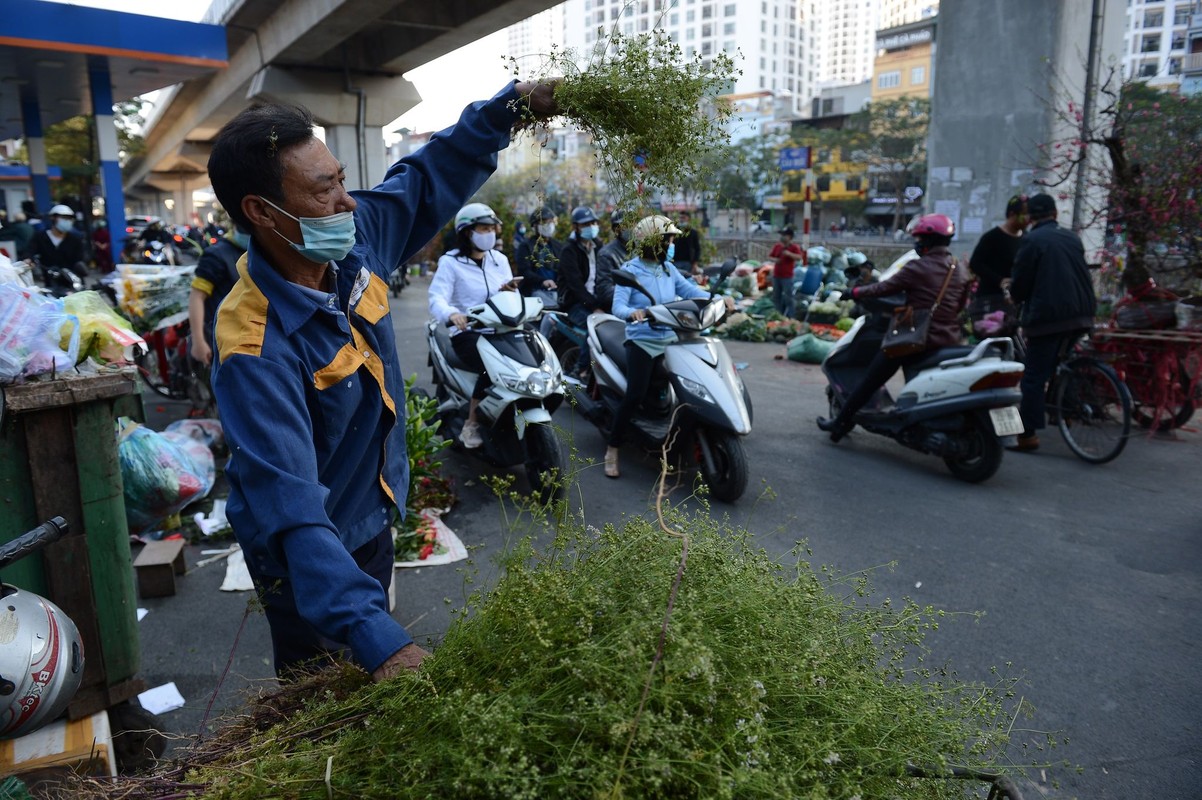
(922, 281)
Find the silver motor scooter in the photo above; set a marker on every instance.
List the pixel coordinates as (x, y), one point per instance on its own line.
(696, 394)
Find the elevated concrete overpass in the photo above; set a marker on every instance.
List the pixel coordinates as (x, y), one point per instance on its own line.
(342, 59)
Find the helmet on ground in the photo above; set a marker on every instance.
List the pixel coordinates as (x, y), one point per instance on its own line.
(541, 213)
(582, 215)
(475, 214)
(41, 662)
(654, 225)
(933, 225)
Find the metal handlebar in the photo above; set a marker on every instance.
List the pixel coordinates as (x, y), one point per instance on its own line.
(34, 540)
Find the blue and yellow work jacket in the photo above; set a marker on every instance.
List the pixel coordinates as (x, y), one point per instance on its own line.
(311, 391)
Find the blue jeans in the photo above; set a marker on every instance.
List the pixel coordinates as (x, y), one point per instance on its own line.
(782, 296)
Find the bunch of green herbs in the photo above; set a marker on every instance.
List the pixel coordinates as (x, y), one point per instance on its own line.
(774, 682)
(656, 117)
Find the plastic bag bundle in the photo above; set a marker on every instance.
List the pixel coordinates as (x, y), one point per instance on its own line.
(103, 333)
(147, 294)
(207, 431)
(809, 349)
(162, 474)
(36, 335)
(818, 255)
(18, 272)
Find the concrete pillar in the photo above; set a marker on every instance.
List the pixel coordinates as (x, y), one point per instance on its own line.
(984, 145)
(31, 113)
(352, 110)
(100, 85)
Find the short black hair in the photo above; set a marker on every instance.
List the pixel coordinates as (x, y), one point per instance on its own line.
(1016, 205)
(246, 154)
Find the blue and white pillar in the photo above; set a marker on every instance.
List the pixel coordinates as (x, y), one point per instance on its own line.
(31, 112)
(110, 167)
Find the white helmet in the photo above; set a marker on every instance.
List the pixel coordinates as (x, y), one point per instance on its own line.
(62, 211)
(654, 225)
(41, 661)
(475, 214)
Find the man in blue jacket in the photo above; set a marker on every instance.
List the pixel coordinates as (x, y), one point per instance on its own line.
(307, 377)
(1052, 283)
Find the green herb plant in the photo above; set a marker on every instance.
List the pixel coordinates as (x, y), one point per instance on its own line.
(428, 488)
(655, 116)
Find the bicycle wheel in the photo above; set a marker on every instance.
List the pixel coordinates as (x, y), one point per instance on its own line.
(1093, 410)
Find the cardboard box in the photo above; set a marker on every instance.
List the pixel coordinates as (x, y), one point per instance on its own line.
(84, 746)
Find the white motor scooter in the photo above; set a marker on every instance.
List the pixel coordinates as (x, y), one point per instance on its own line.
(958, 403)
(696, 393)
(527, 386)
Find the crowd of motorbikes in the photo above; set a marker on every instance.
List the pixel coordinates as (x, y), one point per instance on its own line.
(960, 404)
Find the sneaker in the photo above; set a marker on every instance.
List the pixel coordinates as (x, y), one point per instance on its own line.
(470, 435)
(1025, 444)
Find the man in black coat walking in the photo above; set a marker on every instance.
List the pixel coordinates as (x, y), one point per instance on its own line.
(1051, 281)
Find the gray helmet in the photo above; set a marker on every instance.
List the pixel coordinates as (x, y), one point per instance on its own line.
(41, 662)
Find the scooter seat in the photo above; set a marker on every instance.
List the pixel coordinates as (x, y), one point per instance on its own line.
(442, 337)
(612, 334)
(933, 359)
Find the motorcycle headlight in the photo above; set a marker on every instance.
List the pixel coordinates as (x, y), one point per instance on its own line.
(696, 389)
(536, 384)
(687, 319)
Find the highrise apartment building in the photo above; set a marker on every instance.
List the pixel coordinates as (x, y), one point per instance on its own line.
(775, 37)
(844, 36)
(902, 12)
(532, 38)
(1156, 40)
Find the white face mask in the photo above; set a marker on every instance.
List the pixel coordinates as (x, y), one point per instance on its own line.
(546, 230)
(484, 241)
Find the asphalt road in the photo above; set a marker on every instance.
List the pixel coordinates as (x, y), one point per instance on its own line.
(1088, 578)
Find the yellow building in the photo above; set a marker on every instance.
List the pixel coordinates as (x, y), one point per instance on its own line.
(835, 180)
(905, 60)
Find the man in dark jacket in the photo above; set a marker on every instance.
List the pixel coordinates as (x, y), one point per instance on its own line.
(688, 247)
(59, 245)
(536, 258)
(933, 280)
(1052, 283)
(612, 255)
(578, 275)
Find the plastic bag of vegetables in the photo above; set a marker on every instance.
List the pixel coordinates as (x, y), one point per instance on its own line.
(162, 474)
(809, 349)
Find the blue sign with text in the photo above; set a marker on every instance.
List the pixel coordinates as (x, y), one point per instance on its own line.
(794, 158)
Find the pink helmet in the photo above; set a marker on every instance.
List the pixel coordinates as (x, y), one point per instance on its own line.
(933, 225)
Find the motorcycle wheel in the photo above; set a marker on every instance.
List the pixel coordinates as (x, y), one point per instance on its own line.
(984, 455)
(149, 366)
(568, 359)
(728, 481)
(544, 462)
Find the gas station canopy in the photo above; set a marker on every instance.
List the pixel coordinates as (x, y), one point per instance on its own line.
(47, 51)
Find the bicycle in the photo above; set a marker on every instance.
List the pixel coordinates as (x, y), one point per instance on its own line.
(1163, 369)
(169, 370)
(1088, 403)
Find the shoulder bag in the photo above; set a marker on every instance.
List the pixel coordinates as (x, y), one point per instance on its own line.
(910, 326)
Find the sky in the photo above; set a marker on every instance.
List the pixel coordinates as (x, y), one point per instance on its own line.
(474, 72)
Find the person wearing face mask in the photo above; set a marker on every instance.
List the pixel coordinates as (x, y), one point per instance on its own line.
(467, 276)
(306, 373)
(58, 245)
(653, 268)
(578, 276)
(688, 247)
(216, 273)
(537, 258)
(612, 255)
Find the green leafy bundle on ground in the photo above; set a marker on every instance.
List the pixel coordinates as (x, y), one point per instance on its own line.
(772, 684)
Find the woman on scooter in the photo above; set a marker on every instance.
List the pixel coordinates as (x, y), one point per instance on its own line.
(644, 345)
(921, 280)
(467, 276)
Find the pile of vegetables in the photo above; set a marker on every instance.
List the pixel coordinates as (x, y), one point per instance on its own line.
(780, 329)
(829, 311)
(631, 661)
(429, 489)
(743, 327)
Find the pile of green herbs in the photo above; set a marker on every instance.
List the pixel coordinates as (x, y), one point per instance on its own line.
(656, 117)
(774, 682)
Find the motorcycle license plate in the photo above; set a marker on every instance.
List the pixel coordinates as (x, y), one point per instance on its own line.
(1006, 421)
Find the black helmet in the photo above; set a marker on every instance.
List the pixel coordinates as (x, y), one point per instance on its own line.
(541, 213)
(616, 218)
